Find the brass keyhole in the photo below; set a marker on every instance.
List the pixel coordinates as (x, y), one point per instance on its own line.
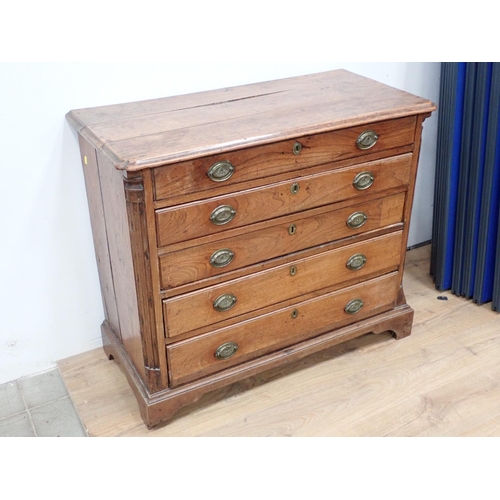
(295, 188)
(293, 271)
(297, 148)
(295, 313)
(292, 229)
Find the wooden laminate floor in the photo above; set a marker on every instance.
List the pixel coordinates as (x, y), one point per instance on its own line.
(443, 380)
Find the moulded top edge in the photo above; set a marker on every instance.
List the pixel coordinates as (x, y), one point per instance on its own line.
(145, 134)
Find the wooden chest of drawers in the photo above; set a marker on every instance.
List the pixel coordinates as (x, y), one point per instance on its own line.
(239, 229)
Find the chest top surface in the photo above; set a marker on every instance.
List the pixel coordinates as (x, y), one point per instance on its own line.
(149, 133)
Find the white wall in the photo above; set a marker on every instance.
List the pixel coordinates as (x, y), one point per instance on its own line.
(51, 305)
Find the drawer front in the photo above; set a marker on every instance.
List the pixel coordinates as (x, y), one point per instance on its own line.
(204, 174)
(304, 231)
(195, 358)
(231, 299)
(194, 220)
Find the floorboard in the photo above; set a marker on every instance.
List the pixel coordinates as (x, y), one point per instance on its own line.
(440, 381)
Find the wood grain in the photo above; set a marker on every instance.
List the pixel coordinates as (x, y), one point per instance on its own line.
(120, 254)
(194, 358)
(99, 234)
(312, 228)
(264, 161)
(441, 381)
(150, 212)
(244, 116)
(194, 310)
(223, 189)
(192, 220)
(413, 178)
(154, 363)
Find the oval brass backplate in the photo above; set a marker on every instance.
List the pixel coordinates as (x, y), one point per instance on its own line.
(226, 350)
(367, 140)
(357, 261)
(224, 302)
(297, 148)
(222, 215)
(294, 189)
(295, 313)
(354, 306)
(221, 258)
(363, 180)
(292, 229)
(293, 270)
(220, 171)
(356, 220)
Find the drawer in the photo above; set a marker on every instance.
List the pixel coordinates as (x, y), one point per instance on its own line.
(192, 220)
(203, 355)
(263, 161)
(284, 236)
(243, 295)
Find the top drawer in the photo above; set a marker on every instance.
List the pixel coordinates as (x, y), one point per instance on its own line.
(203, 174)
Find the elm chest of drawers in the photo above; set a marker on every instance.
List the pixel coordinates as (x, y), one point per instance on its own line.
(240, 229)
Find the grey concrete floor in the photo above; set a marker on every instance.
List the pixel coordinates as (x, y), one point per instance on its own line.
(38, 405)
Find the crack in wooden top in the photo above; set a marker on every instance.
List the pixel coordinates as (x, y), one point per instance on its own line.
(157, 132)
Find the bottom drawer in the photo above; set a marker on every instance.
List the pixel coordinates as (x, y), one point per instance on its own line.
(200, 356)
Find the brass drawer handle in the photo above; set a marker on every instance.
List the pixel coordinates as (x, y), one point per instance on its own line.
(356, 220)
(354, 306)
(366, 140)
(224, 302)
(220, 171)
(357, 261)
(363, 180)
(221, 258)
(297, 148)
(226, 350)
(222, 215)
